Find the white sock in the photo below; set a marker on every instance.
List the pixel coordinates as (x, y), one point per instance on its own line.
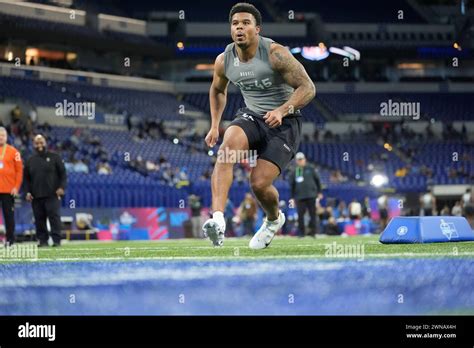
(218, 215)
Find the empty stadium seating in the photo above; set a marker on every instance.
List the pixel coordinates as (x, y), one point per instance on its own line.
(439, 106)
(118, 100)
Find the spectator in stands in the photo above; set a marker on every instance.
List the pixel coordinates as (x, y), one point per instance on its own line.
(248, 214)
(382, 204)
(445, 211)
(69, 164)
(76, 138)
(196, 206)
(342, 211)
(337, 177)
(182, 179)
(84, 221)
(11, 175)
(45, 182)
(168, 176)
(326, 213)
(163, 162)
(139, 165)
(331, 228)
(305, 188)
(151, 166)
(80, 167)
(467, 197)
(401, 172)
(27, 130)
(15, 115)
(355, 210)
(428, 203)
(33, 115)
(104, 168)
(457, 209)
(366, 207)
(239, 174)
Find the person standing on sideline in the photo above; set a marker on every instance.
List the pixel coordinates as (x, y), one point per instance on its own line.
(355, 210)
(382, 205)
(248, 214)
(457, 209)
(467, 198)
(428, 203)
(305, 188)
(45, 182)
(196, 206)
(11, 175)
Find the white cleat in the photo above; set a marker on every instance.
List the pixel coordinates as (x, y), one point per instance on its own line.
(214, 231)
(265, 234)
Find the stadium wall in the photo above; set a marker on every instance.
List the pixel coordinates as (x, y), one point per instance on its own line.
(43, 12)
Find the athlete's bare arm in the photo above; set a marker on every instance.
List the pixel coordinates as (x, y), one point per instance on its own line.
(217, 99)
(295, 75)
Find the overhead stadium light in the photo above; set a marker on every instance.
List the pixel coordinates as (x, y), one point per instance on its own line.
(378, 180)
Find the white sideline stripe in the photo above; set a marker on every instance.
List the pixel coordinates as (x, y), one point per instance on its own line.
(231, 257)
(193, 247)
(169, 248)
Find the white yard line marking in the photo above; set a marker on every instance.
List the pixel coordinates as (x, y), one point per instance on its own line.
(210, 247)
(231, 257)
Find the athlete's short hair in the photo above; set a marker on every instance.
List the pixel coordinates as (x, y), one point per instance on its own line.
(246, 7)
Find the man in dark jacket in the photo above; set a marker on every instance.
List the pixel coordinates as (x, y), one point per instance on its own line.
(305, 188)
(45, 182)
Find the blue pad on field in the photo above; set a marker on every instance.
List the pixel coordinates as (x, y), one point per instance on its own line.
(427, 229)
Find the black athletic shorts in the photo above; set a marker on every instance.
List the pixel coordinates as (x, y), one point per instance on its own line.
(277, 145)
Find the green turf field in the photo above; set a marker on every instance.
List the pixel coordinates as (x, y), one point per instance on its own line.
(236, 248)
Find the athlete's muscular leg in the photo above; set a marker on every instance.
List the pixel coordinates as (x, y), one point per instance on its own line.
(261, 180)
(222, 176)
